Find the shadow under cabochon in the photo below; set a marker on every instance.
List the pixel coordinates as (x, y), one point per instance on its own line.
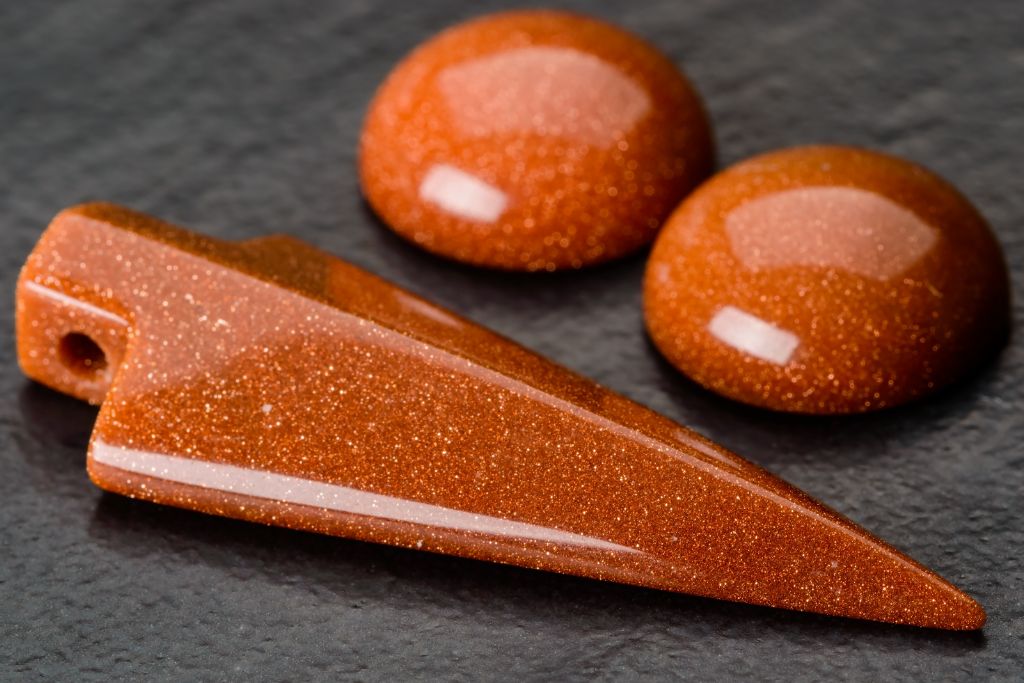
(533, 141)
(826, 280)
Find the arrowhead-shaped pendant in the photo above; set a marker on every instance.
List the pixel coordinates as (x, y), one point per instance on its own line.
(271, 382)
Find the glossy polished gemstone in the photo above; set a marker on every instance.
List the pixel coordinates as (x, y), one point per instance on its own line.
(533, 141)
(271, 382)
(826, 280)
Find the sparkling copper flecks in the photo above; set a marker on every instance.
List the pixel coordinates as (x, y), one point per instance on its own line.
(270, 382)
(533, 140)
(826, 280)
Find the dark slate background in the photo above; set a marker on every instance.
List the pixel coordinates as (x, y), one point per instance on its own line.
(241, 118)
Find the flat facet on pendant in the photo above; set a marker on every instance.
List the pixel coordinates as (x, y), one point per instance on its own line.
(271, 382)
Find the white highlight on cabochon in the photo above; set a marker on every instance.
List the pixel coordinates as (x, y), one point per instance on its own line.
(296, 490)
(462, 194)
(752, 335)
(545, 91)
(829, 227)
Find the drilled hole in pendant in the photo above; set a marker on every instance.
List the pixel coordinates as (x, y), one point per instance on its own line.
(80, 354)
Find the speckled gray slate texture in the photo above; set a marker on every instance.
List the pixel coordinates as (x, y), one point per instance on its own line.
(241, 118)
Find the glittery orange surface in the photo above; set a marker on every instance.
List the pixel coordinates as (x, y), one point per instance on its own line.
(270, 382)
(826, 280)
(533, 141)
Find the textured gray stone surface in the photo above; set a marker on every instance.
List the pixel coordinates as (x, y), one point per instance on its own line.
(241, 118)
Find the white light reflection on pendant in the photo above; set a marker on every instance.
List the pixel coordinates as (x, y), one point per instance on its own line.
(287, 489)
(462, 194)
(752, 335)
(71, 301)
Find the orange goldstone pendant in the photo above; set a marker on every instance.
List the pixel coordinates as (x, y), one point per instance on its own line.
(533, 140)
(271, 382)
(826, 280)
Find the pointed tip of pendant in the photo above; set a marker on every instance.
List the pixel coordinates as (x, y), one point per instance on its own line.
(974, 616)
(920, 597)
(961, 613)
(913, 595)
(909, 593)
